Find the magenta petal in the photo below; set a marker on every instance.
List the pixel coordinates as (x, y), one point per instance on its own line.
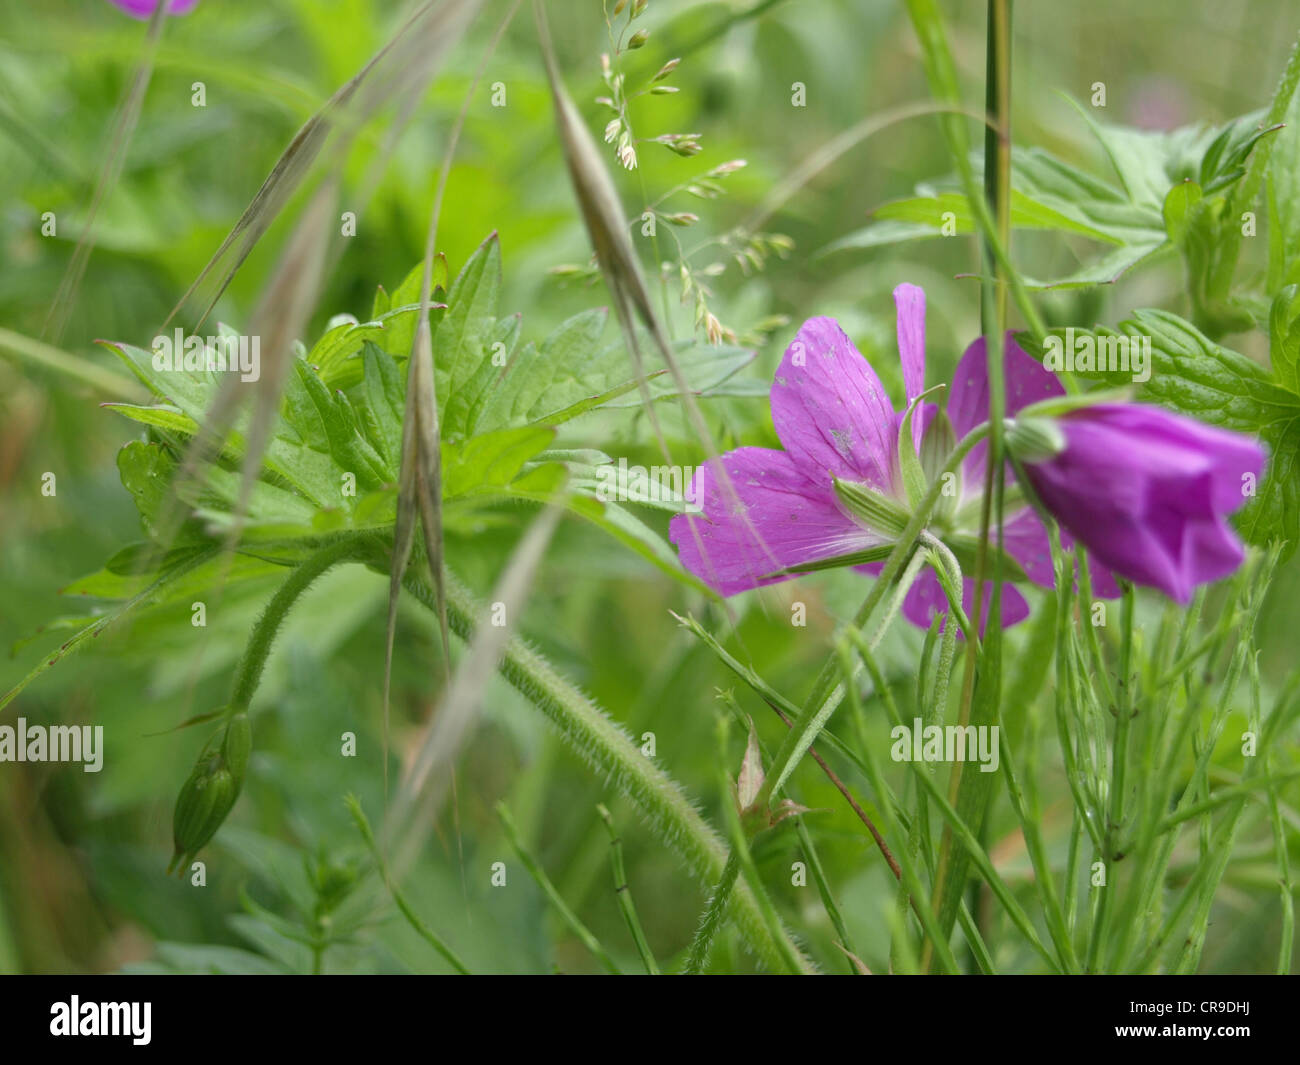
(773, 517)
(142, 9)
(1104, 584)
(1027, 542)
(909, 301)
(1027, 381)
(925, 600)
(830, 410)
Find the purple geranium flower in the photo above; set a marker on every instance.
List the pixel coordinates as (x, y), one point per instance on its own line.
(1144, 490)
(142, 9)
(836, 422)
(1147, 492)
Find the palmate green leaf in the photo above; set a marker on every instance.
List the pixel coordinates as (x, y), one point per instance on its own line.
(330, 425)
(1191, 173)
(574, 372)
(332, 459)
(157, 586)
(463, 340)
(570, 365)
(339, 343)
(489, 461)
(192, 392)
(1284, 338)
(1149, 162)
(488, 376)
(1128, 213)
(322, 440)
(146, 471)
(391, 326)
(575, 473)
(929, 213)
(1283, 197)
(380, 401)
(337, 356)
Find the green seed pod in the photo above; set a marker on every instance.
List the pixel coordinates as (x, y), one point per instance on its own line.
(209, 794)
(236, 744)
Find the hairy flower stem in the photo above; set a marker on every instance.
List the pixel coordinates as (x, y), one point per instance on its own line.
(608, 749)
(712, 919)
(348, 548)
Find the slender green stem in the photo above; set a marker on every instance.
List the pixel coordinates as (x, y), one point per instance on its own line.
(249, 672)
(778, 702)
(971, 846)
(552, 894)
(624, 893)
(407, 910)
(1111, 855)
(698, 955)
(909, 876)
(1067, 668)
(826, 695)
(805, 730)
(827, 677)
(942, 75)
(1028, 815)
(1286, 943)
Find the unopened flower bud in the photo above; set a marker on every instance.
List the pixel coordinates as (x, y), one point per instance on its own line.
(208, 795)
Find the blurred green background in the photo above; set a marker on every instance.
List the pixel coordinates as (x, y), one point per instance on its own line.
(82, 855)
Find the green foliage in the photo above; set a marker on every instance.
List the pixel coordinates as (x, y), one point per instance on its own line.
(538, 404)
(1169, 190)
